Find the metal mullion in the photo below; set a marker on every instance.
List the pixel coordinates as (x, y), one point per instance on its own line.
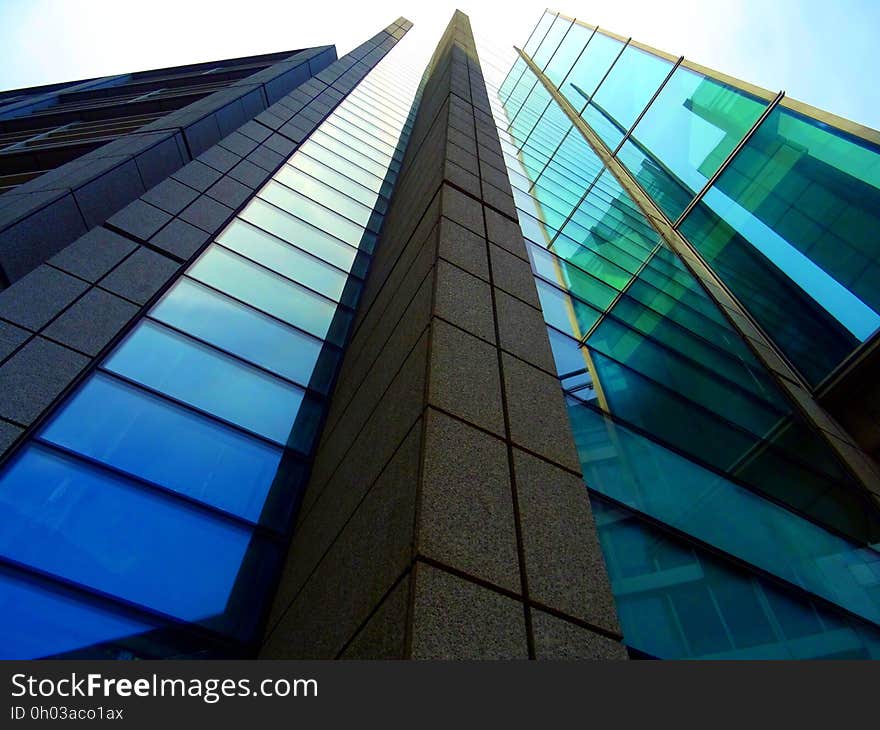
(368, 108)
(363, 140)
(348, 180)
(377, 132)
(543, 69)
(156, 488)
(760, 442)
(688, 307)
(354, 164)
(549, 58)
(546, 12)
(724, 165)
(369, 117)
(697, 365)
(559, 86)
(385, 166)
(580, 113)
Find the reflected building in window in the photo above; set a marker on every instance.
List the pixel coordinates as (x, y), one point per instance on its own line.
(565, 351)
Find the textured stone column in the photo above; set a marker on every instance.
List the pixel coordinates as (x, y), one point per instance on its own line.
(446, 516)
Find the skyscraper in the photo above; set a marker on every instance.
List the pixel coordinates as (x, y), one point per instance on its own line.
(320, 364)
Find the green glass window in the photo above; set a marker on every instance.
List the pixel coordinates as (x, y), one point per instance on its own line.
(801, 203)
(689, 130)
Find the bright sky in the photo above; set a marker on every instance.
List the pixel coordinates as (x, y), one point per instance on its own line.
(820, 52)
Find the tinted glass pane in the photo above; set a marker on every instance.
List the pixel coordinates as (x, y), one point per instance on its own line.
(67, 518)
(35, 622)
(624, 94)
(269, 292)
(201, 376)
(232, 326)
(551, 41)
(339, 163)
(691, 128)
(123, 426)
(308, 210)
(589, 69)
(804, 199)
(302, 235)
(279, 256)
(676, 601)
(567, 53)
(339, 180)
(324, 194)
(640, 473)
(539, 32)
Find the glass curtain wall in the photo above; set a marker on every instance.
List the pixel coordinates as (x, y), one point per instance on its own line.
(149, 515)
(789, 226)
(729, 527)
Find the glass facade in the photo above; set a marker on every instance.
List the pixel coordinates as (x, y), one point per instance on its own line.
(149, 515)
(730, 526)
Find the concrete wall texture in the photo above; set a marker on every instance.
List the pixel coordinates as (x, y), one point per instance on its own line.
(446, 515)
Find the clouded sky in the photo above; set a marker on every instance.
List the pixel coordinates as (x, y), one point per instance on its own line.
(820, 52)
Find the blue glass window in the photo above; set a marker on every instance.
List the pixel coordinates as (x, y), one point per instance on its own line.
(36, 622)
(125, 427)
(207, 379)
(271, 293)
(70, 519)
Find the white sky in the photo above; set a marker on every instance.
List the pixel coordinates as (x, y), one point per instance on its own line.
(818, 51)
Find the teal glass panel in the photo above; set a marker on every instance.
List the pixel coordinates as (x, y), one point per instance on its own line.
(624, 94)
(809, 336)
(303, 235)
(202, 377)
(126, 427)
(512, 78)
(291, 262)
(589, 69)
(570, 315)
(688, 131)
(273, 294)
(806, 198)
(244, 331)
(667, 191)
(330, 139)
(651, 479)
(678, 601)
(70, 519)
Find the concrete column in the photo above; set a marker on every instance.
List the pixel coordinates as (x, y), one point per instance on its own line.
(446, 516)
